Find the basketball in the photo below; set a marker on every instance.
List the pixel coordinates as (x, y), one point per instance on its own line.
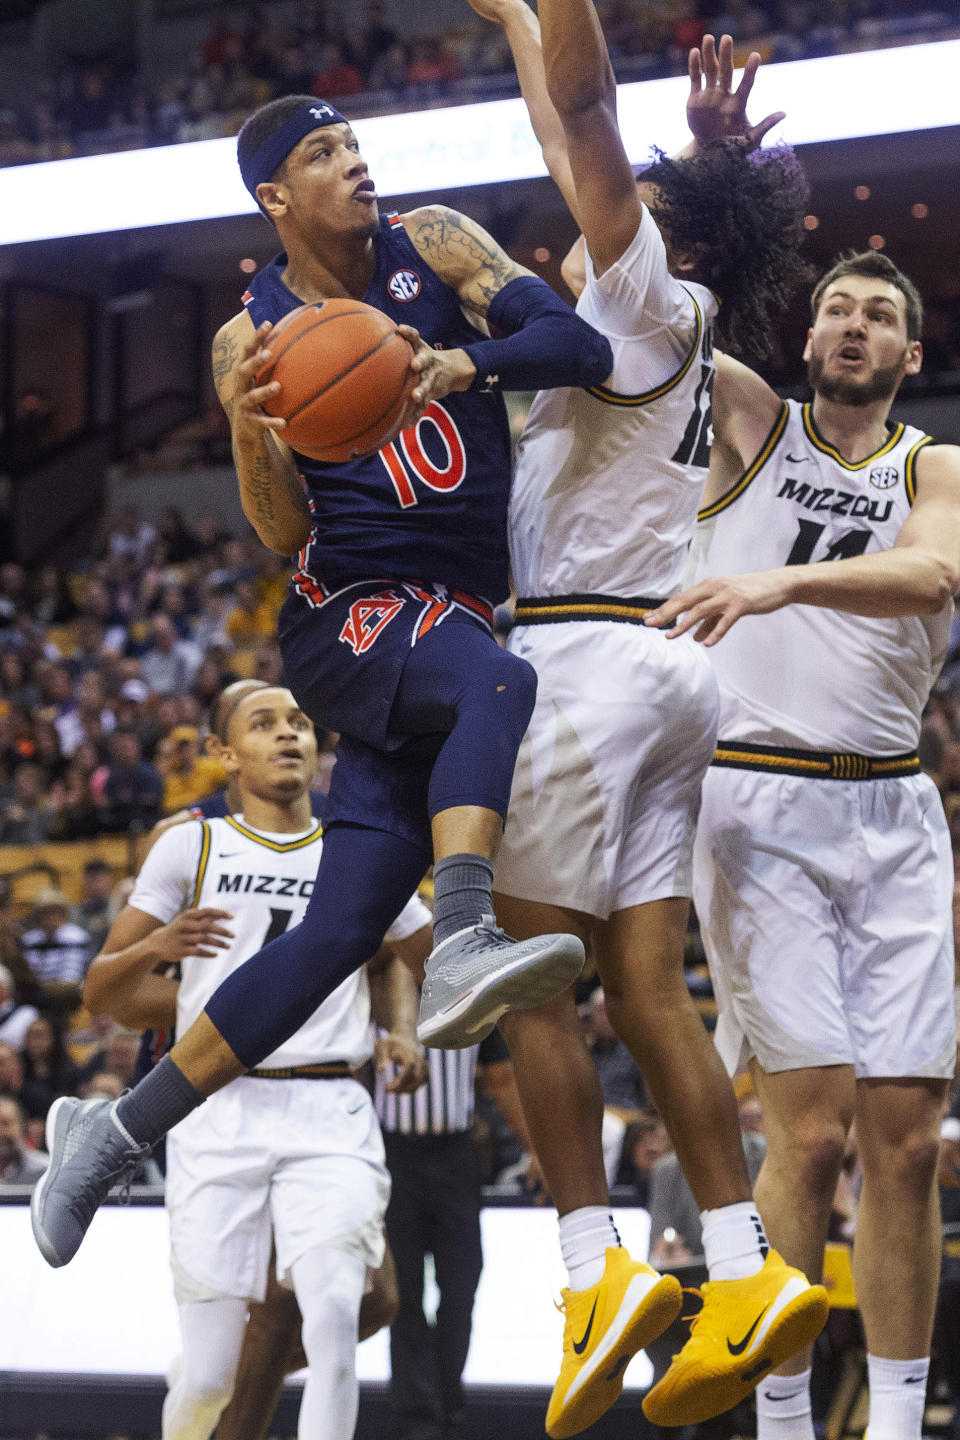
(345, 372)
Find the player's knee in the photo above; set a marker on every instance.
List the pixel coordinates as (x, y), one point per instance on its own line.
(209, 1394)
(512, 681)
(913, 1161)
(817, 1154)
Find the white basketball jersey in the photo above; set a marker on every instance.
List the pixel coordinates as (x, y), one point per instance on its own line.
(264, 880)
(805, 676)
(608, 480)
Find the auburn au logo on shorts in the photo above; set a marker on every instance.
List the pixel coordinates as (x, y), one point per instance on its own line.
(404, 285)
(368, 617)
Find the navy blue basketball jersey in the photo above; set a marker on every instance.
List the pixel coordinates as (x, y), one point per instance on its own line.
(431, 505)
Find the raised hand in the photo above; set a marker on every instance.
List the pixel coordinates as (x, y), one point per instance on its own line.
(715, 111)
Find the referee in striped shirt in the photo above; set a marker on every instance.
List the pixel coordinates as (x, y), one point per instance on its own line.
(435, 1210)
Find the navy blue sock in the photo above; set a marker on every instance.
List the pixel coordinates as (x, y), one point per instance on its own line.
(461, 893)
(457, 680)
(364, 880)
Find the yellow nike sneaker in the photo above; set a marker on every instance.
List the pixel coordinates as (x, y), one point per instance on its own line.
(745, 1329)
(603, 1329)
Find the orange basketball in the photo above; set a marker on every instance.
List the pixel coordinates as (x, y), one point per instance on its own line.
(346, 377)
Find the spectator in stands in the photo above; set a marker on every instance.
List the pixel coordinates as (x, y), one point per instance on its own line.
(620, 1078)
(18, 1165)
(432, 64)
(336, 75)
(15, 1018)
(645, 1143)
(94, 911)
(190, 775)
(98, 602)
(77, 817)
(28, 816)
(132, 788)
(52, 602)
(89, 717)
(48, 1071)
(251, 619)
(377, 38)
(168, 663)
(57, 951)
(15, 687)
(129, 535)
(117, 1058)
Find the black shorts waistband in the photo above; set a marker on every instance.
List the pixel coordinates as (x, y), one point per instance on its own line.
(329, 1070)
(815, 764)
(555, 609)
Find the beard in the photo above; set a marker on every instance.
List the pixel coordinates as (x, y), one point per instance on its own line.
(845, 390)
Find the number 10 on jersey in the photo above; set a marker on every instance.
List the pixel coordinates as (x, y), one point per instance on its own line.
(407, 461)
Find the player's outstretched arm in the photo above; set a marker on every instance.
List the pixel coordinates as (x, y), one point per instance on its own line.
(545, 343)
(522, 30)
(917, 576)
(270, 490)
(583, 91)
(127, 979)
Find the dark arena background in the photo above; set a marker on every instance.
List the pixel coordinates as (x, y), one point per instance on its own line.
(132, 589)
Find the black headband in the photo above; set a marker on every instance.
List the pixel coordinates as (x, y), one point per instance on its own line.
(271, 154)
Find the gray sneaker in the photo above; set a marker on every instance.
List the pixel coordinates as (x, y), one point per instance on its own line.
(90, 1151)
(479, 973)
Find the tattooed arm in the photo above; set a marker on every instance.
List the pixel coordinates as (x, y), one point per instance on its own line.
(463, 254)
(271, 493)
(545, 343)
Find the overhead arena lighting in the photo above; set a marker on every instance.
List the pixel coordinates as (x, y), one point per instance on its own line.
(837, 97)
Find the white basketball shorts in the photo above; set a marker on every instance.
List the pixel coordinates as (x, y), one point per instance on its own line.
(826, 911)
(296, 1162)
(607, 783)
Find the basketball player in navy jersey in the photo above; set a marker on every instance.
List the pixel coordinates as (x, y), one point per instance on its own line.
(385, 635)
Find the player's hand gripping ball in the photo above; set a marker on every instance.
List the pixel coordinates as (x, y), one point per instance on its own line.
(345, 378)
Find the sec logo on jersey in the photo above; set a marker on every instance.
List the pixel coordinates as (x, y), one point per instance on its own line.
(884, 476)
(404, 285)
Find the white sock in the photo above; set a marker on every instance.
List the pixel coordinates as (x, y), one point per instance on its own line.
(734, 1242)
(585, 1236)
(898, 1394)
(783, 1408)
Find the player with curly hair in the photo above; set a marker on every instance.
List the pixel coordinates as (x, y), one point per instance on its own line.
(607, 784)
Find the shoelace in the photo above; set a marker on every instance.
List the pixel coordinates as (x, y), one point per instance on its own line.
(691, 1320)
(84, 1206)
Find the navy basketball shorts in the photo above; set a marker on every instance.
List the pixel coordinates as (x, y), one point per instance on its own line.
(343, 654)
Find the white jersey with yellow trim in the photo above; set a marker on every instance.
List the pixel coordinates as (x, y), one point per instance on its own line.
(805, 676)
(608, 480)
(264, 880)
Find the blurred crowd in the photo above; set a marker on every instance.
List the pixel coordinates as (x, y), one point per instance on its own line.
(248, 58)
(106, 673)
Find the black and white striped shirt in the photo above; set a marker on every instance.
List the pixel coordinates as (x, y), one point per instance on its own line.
(445, 1104)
